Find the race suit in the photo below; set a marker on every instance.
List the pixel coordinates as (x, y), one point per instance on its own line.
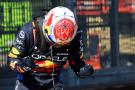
(49, 59)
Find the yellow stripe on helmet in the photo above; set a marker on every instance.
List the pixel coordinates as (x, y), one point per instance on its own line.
(48, 29)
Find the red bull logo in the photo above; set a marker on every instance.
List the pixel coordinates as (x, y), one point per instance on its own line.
(46, 66)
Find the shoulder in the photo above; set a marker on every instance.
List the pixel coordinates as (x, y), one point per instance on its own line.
(78, 35)
(25, 32)
(27, 27)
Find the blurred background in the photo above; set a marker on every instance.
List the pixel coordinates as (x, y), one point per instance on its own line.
(108, 34)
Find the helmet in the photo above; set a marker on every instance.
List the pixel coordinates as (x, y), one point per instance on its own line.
(59, 26)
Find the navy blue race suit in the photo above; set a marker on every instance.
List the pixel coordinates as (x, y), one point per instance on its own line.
(45, 61)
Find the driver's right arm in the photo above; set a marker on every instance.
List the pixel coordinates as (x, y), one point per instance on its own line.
(18, 59)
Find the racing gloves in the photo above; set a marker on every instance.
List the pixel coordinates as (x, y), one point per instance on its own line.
(85, 71)
(22, 65)
(28, 62)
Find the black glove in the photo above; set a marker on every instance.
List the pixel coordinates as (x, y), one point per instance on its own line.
(28, 61)
(87, 70)
(26, 64)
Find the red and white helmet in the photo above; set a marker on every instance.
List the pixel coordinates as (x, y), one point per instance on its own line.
(59, 26)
